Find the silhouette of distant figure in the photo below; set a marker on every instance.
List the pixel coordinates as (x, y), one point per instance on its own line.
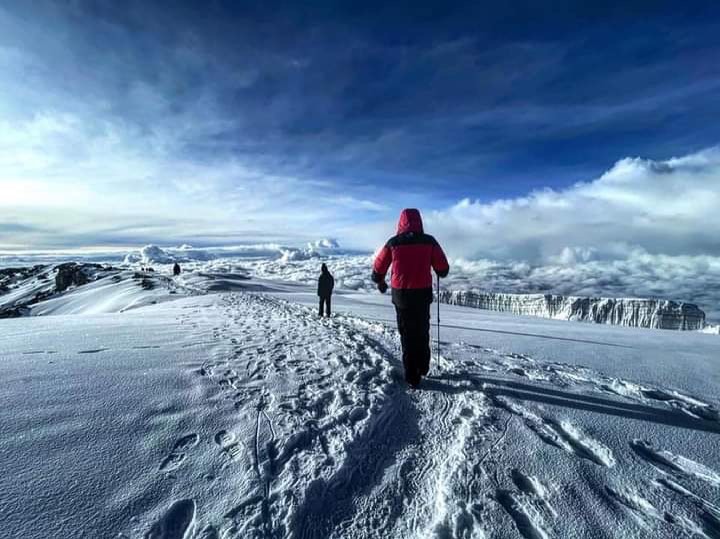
(326, 283)
(176, 269)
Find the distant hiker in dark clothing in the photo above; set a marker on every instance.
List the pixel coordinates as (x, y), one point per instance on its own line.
(412, 254)
(326, 283)
(176, 269)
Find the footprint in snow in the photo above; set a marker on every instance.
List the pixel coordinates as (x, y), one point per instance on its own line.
(527, 517)
(205, 370)
(691, 406)
(178, 454)
(531, 486)
(563, 435)
(529, 507)
(645, 513)
(519, 371)
(709, 513)
(641, 509)
(209, 533)
(226, 441)
(667, 461)
(176, 523)
(585, 446)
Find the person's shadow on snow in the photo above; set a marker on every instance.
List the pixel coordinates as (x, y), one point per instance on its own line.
(392, 427)
(497, 387)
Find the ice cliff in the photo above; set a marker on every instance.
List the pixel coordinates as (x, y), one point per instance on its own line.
(645, 313)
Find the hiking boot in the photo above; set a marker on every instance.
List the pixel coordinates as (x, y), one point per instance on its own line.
(413, 379)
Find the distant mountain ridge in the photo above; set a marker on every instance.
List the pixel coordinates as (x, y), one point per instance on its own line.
(632, 312)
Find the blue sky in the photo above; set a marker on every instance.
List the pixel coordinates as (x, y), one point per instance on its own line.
(124, 123)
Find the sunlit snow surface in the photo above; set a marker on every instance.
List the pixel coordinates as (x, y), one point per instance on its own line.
(242, 414)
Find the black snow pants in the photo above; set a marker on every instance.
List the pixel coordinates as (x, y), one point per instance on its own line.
(325, 301)
(414, 327)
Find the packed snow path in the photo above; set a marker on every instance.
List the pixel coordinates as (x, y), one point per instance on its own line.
(254, 418)
(337, 445)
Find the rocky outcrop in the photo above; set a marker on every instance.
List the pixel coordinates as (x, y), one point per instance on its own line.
(9, 280)
(71, 274)
(12, 312)
(9, 276)
(645, 313)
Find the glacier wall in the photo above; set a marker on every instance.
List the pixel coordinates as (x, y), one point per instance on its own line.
(644, 313)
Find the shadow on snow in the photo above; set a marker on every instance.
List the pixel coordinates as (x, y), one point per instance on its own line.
(535, 393)
(328, 503)
(515, 333)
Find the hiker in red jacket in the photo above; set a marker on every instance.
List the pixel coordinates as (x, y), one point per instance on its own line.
(412, 254)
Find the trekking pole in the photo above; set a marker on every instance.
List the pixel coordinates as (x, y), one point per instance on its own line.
(438, 318)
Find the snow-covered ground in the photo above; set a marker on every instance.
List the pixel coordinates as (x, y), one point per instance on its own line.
(239, 413)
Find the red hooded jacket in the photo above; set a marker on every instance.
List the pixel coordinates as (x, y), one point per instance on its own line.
(412, 254)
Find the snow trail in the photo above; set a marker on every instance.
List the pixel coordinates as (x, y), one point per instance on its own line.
(376, 456)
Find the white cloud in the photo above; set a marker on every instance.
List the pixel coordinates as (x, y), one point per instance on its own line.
(662, 207)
